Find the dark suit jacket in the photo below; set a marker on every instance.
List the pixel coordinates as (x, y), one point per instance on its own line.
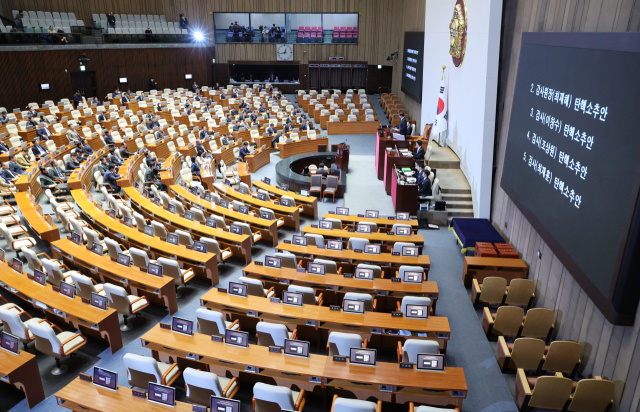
(46, 182)
(38, 150)
(125, 99)
(402, 129)
(8, 174)
(53, 173)
(15, 168)
(203, 134)
(108, 139)
(102, 118)
(195, 169)
(200, 150)
(111, 179)
(4, 148)
(71, 165)
(419, 154)
(425, 188)
(43, 133)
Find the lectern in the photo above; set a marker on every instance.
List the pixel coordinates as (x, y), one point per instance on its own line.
(342, 157)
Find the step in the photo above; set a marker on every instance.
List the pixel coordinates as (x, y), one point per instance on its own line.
(460, 205)
(453, 213)
(456, 191)
(456, 196)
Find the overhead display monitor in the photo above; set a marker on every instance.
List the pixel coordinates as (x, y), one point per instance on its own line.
(571, 160)
(412, 59)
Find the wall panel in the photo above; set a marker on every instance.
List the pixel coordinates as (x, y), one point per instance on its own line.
(609, 351)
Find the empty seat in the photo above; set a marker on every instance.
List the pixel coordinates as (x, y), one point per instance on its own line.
(545, 392)
(201, 385)
(269, 398)
(211, 322)
(354, 405)
(61, 345)
(408, 352)
(126, 305)
(144, 369)
(340, 343)
(255, 287)
(273, 334)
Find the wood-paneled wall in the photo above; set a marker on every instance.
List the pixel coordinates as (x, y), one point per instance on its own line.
(24, 71)
(609, 351)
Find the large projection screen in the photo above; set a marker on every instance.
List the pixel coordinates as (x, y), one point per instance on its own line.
(572, 162)
(412, 61)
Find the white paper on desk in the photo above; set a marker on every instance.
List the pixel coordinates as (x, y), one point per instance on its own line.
(404, 333)
(398, 136)
(422, 335)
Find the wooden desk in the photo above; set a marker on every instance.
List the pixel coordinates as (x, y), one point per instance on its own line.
(81, 396)
(21, 370)
(58, 308)
(240, 244)
(404, 196)
(384, 222)
(359, 127)
(202, 264)
(268, 228)
(309, 204)
(25, 181)
(173, 164)
(386, 291)
(425, 386)
(382, 238)
(226, 154)
(243, 172)
(301, 146)
(291, 215)
(482, 267)
(435, 328)
(391, 159)
(34, 219)
(256, 161)
(157, 289)
(384, 140)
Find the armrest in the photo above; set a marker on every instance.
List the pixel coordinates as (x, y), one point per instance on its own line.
(3, 299)
(26, 314)
(294, 334)
(398, 306)
(182, 275)
(375, 304)
(44, 253)
(379, 409)
(333, 401)
(339, 271)
(166, 373)
(487, 321)
(225, 391)
(302, 398)
(476, 290)
(271, 289)
(300, 263)
(137, 300)
(63, 353)
(410, 406)
(319, 300)
(63, 197)
(235, 322)
(399, 351)
(18, 240)
(503, 354)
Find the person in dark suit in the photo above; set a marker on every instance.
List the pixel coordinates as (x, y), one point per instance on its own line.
(86, 149)
(224, 140)
(159, 134)
(235, 94)
(195, 168)
(288, 127)
(195, 86)
(217, 87)
(102, 117)
(321, 170)
(46, 182)
(222, 95)
(7, 173)
(305, 172)
(424, 189)
(37, 149)
(14, 166)
(271, 130)
(77, 98)
(418, 173)
(111, 178)
(149, 159)
(103, 167)
(72, 163)
(55, 172)
(124, 153)
(244, 150)
(32, 112)
(200, 150)
(402, 129)
(253, 116)
(243, 104)
(153, 175)
(153, 123)
(203, 133)
(43, 120)
(108, 139)
(236, 127)
(125, 98)
(32, 122)
(419, 154)
(153, 84)
(140, 98)
(42, 132)
(114, 158)
(187, 108)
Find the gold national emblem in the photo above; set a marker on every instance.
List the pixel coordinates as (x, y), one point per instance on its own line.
(458, 33)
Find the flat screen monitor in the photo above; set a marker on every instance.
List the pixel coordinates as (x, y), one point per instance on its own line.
(67, 290)
(235, 229)
(285, 202)
(16, 264)
(127, 221)
(334, 244)
(149, 231)
(410, 251)
(171, 208)
(111, 213)
(262, 197)
(10, 343)
(371, 214)
(243, 209)
(402, 216)
(99, 301)
(296, 348)
(124, 260)
(362, 356)
(325, 224)
(316, 268)
(304, 192)
(372, 249)
(265, 215)
(155, 269)
(412, 61)
(360, 228)
(353, 306)
(267, 180)
(183, 326)
(299, 240)
(39, 277)
(188, 215)
(342, 211)
(428, 362)
(105, 378)
(97, 248)
(292, 298)
(364, 273)
(236, 338)
(273, 262)
(284, 188)
(75, 238)
(403, 231)
(188, 76)
(164, 395)
(200, 247)
(238, 289)
(44, 86)
(412, 277)
(211, 223)
(219, 404)
(123, 79)
(417, 311)
(173, 239)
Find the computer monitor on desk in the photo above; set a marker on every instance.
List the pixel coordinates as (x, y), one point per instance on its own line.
(164, 395)
(219, 404)
(105, 378)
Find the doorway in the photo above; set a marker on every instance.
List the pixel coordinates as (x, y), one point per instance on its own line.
(85, 82)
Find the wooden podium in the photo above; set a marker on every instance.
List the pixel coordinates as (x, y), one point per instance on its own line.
(342, 157)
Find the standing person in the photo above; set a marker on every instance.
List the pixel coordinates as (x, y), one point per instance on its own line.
(148, 33)
(77, 98)
(402, 128)
(184, 23)
(111, 20)
(195, 86)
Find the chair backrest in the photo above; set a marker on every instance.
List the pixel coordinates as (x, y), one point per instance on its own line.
(308, 294)
(353, 405)
(592, 395)
(287, 260)
(408, 268)
(397, 247)
(314, 240)
(268, 396)
(527, 353)
(270, 334)
(365, 297)
(13, 324)
(520, 292)
(330, 266)
(141, 370)
(357, 243)
(340, 343)
(159, 229)
(113, 248)
(171, 268)
(200, 385)
(493, 289)
(210, 322)
(118, 298)
(84, 285)
(46, 340)
(508, 320)
(32, 259)
(563, 356)
(538, 323)
(377, 270)
(255, 287)
(139, 257)
(413, 347)
(550, 392)
(92, 236)
(184, 237)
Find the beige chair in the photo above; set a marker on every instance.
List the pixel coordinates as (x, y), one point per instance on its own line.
(524, 353)
(506, 321)
(545, 392)
(171, 268)
(59, 346)
(211, 322)
(408, 352)
(55, 275)
(270, 398)
(520, 292)
(200, 386)
(126, 305)
(246, 230)
(538, 323)
(490, 292)
(33, 261)
(340, 343)
(308, 294)
(214, 247)
(12, 323)
(16, 244)
(563, 357)
(355, 405)
(592, 395)
(114, 248)
(144, 369)
(255, 287)
(85, 286)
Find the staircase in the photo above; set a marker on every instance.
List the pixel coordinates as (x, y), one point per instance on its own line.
(459, 203)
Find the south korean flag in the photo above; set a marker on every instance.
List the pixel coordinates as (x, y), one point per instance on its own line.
(442, 110)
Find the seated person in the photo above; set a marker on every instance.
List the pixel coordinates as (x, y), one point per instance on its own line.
(111, 179)
(152, 175)
(86, 149)
(200, 150)
(37, 149)
(321, 170)
(104, 164)
(305, 172)
(46, 182)
(102, 117)
(55, 172)
(124, 153)
(43, 132)
(114, 158)
(15, 168)
(22, 158)
(72, 163)
(244, 150)
(225, 140)
(195, 168)
(424, 189)
(271, 130)
(419, 154)
(108, 139)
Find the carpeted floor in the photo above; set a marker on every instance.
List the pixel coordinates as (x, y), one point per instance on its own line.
(468, 348)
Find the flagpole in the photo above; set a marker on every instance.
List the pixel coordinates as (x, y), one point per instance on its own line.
(440, 142)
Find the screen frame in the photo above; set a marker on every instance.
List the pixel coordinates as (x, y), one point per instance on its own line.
(353, 300)
(441, 355)
(222, 399)
(416, 317)
(409, 93)
(103, 386)
(620, 303)
(293, 240)
(226, 341)
(246, 289)
(101, 297)
(2, 334)
(284, 302)
(163, 386)
(284, 349)
(66, 285)
(375, 354)
(177, 331)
